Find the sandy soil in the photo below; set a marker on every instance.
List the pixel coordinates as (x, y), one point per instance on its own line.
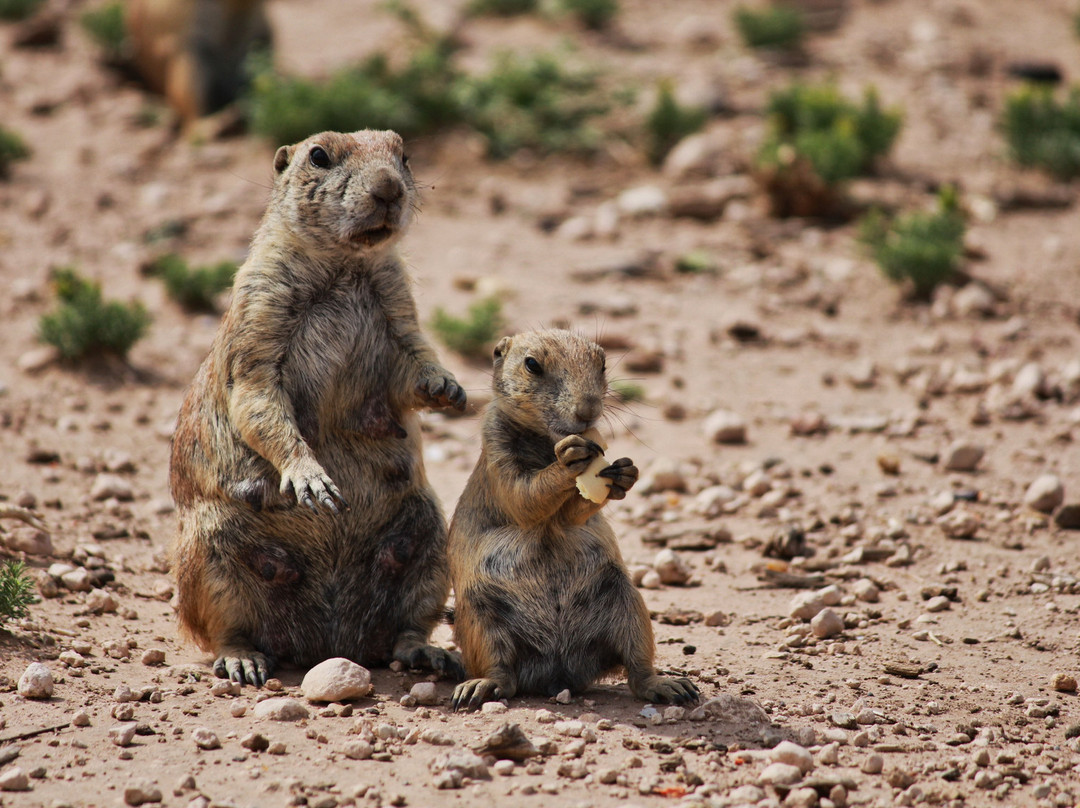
(940, 688)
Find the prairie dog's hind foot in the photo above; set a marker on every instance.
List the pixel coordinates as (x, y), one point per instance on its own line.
(472, 694)
(433, 658)
(243, 666)
(666, 690)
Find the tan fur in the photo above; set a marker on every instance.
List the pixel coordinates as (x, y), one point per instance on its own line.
(309, 396)
(544, 601)
(194, 51)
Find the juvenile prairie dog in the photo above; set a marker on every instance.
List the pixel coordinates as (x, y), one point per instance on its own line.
(307, 527)
(195, 52)
(543, 598)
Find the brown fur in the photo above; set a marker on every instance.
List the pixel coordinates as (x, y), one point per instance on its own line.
(194, 51)
(544, 601)
(309, 396)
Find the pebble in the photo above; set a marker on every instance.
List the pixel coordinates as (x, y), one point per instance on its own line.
(358, 750)
(573, 769)
(123, 734)
(78, 580)
(710, 502)
(425, 693)
(963, 456)
(37, 359)
(571, 729)
(829, 754)
(793, 754)
(436, 737)
(14, 779)
(467, 763)
(801, 798)
(745, 795)
(493, 708)
(503, 768)
(671, 568)
(545, 717)
(644, 200)
(276, 748)
(80, 719)
(111, 486)
(142, 793)
(1068, 517)
(650, 579)
(725, 426)
(866, 590)
(153, 656)
(36, 682)
(564, 697)
(805, 605)
(960, 523)
(30, 541)
(205, 738)
(664, 474)
(873, 764)
(1045, 493)
(783, 774)
(938, 603)
(100, 601)
(826, 623)
(281, 708)
(255, 742)
(336, 679)
(1063, 683)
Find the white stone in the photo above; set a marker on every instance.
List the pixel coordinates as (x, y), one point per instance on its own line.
(36, 682)
(111, 486)
(710, 502)
(826, 623)
(960, 523)
(30, 541)
(425, 693)
(358, 750)
(78, 580)
(1045, 493)
(14, 779)
(1029, 381)
(664, 474)
(973, 299)
(866, 590)
(963, 456)
(205, 738)
(281, 708)
(493, 708)
(337, 679)
(805, 605)
(725, 426)
(745, 795)
(122, 734)
(99, 601)
(644, 200)
(671, 569)
(37, 359)
(793, 754)
(780, 774)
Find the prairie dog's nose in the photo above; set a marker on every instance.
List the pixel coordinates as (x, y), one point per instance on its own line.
(588, 410)
(387, 186)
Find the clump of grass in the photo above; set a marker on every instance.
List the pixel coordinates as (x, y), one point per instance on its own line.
(696, 262)
(13, 10)
(472, 335)
(1043, 132)
(668, 122)
(502, 8)
(12, 149)
(84, 324)
(920, 248)
(775, 26)
(194, 288)
(818, 139)
(107, 26)
(16, 591)
(595, 14)
(628, 391)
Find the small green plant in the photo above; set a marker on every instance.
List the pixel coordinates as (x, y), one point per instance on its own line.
(924, 249)
(502, 8)
(628, 391)
(107, 26)
(16, 591)
(196, 289)
(696, 262)
(593, 14)
(83, 324)
(668, 122)
(817, 139)
(776, 26)
(1043, 132)
(12, 148)
(473, 334)
(13, 10)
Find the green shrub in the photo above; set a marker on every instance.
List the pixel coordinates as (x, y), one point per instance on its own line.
(924, 249)
(817, 139)
(593, 14)
(502, 8)
(196, 289)
(776, 26)
(473, 334)
(16, 591)
(18, 9)
(12, 148)
(669, 122)
(107, 26)
(628, 391)
(83, 324)
(1043, 132)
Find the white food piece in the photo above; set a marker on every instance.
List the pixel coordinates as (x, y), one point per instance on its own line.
(589, 484)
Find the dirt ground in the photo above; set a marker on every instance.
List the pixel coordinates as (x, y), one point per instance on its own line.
(949, 681)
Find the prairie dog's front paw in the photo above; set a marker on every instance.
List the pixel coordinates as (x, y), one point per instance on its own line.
(308, 483)
(576, 452)
(623, 474)
(437, 387)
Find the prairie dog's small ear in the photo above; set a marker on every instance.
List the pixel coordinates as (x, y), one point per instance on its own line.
(281, 159)
(502, 347)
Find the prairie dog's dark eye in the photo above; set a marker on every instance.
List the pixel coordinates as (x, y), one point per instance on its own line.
(533, 366)
(405, 160)
(319, 158)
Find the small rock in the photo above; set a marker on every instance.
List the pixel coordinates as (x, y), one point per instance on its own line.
(793, 754)
(1068, 517)
(337, 679)
(78, 580)
(37, 359)
(782, 774)
(873, 764)
(276, 748)
(664, 474)
(805, 605)
(425, 693)
(650, 580)
(142, 793)
(866, 590)
(973, 299)
(963, 456)
(510, 743)
(205, 738)
(938, 603)
(281, 708)
(745, 795)
(255, 742)
(153, 656)
(80, 719)
(573, 769)
(564, 697)
(960, 523)
(503, 768)
(671, 569)
(358, 750)
(100, 601)
(644, 200)
(829, 755)
(111, 486)
(123, 734)
(493, 708)
(710, 501)
(724, 426)
(436, 737)
(30, 541)
(805, 797)
(1045, 493)
(826, 623)
(469, 764)
(1063, 683)
(36, 682)
(14, 779)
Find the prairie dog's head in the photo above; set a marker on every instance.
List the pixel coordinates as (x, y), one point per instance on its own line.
(552, 381)
(354, 190)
